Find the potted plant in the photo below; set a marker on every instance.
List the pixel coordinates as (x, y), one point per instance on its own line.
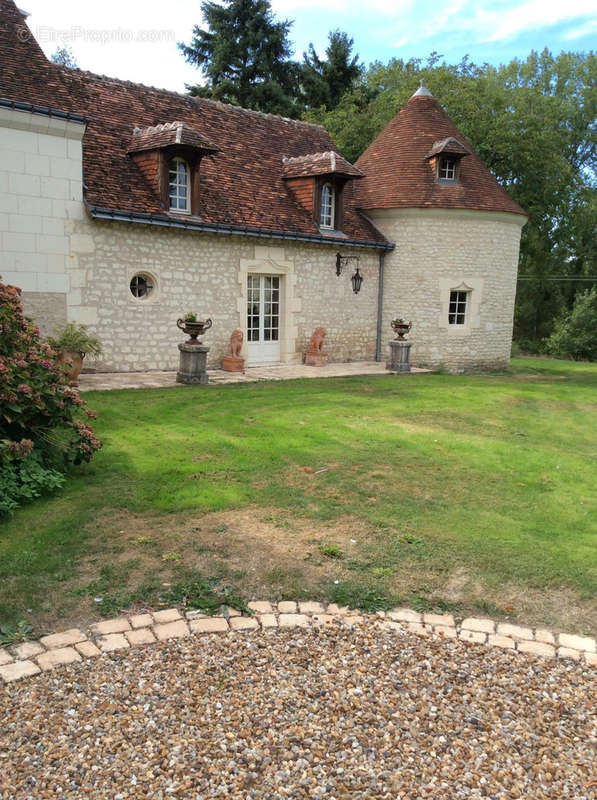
(72, 342)
(193, 327)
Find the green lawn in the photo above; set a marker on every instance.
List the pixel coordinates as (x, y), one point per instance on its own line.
(437, 491)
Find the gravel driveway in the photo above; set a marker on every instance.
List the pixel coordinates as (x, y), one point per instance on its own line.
(334, 713)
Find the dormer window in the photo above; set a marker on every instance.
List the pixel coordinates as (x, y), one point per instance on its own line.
(179, 186)
(447, 169)
(328, 206)
(445, 160)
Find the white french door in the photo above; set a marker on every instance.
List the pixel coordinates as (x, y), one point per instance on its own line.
(263, 319)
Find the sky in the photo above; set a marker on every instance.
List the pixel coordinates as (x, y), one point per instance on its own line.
(136, 39)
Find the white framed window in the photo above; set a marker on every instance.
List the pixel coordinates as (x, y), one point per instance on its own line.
(459, 307)
(179, 186)
(328, 206)
(447, 169)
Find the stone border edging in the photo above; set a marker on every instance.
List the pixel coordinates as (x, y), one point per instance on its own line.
(67, 647)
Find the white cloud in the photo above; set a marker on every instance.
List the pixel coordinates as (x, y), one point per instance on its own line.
(536, 14)
(350, 8)
(488, 20)
(584, 30)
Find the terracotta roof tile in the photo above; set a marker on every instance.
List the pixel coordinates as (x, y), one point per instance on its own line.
(398, 173)
(328, 163)
(449, 145)
(170, 133)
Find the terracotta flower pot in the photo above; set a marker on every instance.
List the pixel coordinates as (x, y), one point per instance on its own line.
(74, 361)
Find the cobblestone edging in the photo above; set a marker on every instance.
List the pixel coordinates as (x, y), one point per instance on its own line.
(30, 658)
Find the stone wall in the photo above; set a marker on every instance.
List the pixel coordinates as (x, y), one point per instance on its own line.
(48, 309)
(206, 273)
(440, 250)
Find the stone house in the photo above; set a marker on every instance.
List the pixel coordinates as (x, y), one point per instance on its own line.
(124, 206)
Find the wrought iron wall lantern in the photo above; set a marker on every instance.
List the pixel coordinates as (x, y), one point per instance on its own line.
(356, 280)
(343, 261)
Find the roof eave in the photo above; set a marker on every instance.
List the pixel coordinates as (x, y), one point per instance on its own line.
(165, 221)
(45, 111)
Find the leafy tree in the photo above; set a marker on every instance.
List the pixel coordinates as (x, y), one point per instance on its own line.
(244, 54)
(575, 334)
(64, 56)
(325, 81)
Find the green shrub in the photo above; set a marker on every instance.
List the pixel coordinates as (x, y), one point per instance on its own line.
(41, 430)
(527, 347)
(575, 334)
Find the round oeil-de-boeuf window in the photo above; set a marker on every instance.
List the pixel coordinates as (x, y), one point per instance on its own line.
(142, 285)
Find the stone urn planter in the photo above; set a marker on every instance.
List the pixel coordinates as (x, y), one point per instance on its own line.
(193, 353)
(399, 348)
(400, 327)
(193, 328)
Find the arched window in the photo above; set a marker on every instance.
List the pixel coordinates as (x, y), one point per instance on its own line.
(328, 206)
(178, 181)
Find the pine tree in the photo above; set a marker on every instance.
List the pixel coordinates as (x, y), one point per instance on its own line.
(325, 81)
(244, 54)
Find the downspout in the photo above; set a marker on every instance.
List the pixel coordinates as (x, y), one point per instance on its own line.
(382, 256)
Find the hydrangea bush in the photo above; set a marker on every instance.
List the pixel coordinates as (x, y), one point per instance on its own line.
(42, 431)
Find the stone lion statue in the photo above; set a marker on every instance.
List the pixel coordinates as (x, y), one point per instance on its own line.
(316, 343)
(236, 343)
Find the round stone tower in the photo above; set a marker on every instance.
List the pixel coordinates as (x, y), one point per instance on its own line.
(457, 235)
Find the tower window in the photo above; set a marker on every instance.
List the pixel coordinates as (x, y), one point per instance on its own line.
(178, 186)
(328, 206)
(458, 310)
(447, 169)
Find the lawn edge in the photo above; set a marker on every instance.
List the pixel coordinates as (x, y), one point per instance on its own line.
(29, 658)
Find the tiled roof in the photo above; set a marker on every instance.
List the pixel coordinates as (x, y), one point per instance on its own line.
(449, 145)
(157, 136)
(399, 175)
(319, 164)
(241, 185)
(25, 73)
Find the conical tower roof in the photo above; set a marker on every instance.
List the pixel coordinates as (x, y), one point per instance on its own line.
(399, 170)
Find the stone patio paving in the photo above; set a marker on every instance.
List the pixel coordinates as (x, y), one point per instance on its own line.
(162, 380)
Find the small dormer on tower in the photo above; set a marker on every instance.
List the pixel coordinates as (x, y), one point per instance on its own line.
(444, 158)
(169, 155)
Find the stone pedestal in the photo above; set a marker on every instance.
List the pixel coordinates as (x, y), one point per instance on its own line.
(233, 364)
(316, 358)
(193, 364)
(399, 356)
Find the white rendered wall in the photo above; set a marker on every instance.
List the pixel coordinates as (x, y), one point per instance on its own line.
(40, 194)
